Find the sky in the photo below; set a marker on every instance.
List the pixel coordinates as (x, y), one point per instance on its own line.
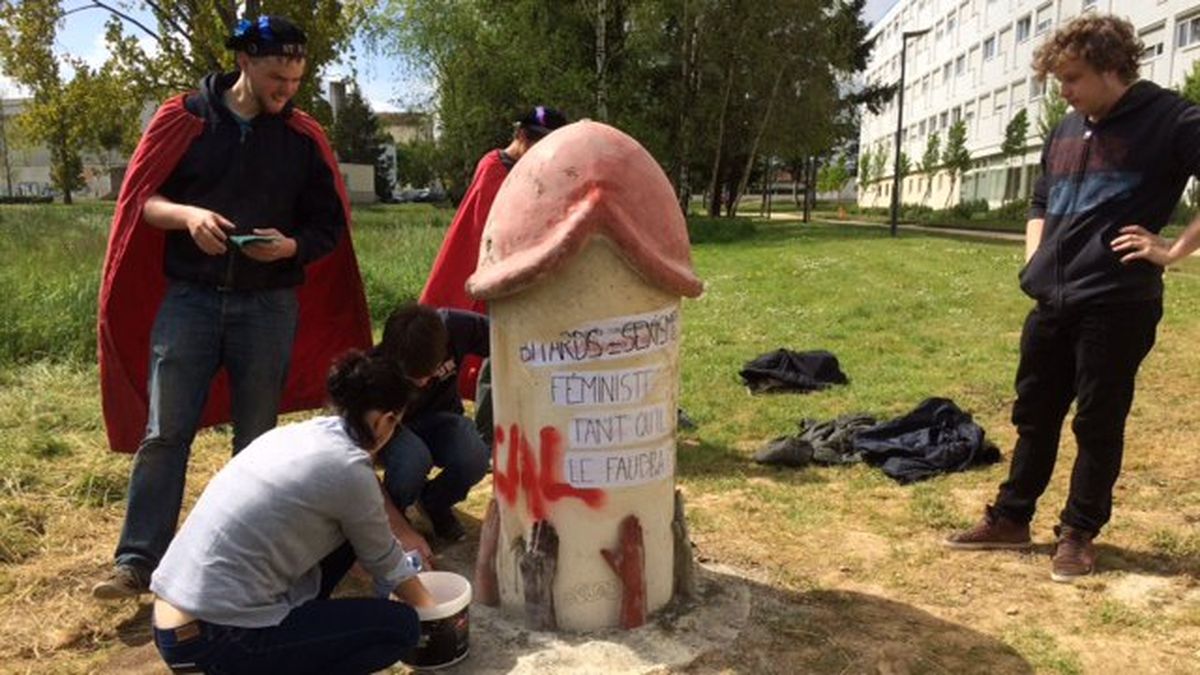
(875, 9)
(386, 82)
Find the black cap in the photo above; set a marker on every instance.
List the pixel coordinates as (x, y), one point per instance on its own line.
(268, 36)
(541, 120)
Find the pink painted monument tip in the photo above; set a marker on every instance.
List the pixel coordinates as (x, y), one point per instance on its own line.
(584, 179)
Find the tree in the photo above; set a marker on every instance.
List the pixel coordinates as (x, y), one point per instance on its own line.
(1191, 92)
(709, 87)
(864, 169)
(1054, 109)
(5, 141)
(905, 167)
(956, 158)
(833, 176)
(1016, 138)
(357, 138)
(880, 161)
(55, 116)
(930, 161)
(416, 163)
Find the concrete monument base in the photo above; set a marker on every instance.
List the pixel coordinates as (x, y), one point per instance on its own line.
(672, 638)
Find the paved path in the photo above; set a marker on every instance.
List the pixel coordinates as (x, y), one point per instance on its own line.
(952, 231)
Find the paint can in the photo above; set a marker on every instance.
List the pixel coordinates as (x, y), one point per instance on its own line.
(445, 627)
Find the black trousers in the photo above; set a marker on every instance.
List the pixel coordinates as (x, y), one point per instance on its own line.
(1090, 356)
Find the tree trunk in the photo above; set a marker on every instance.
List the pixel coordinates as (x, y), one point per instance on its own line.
(762, 127)
(8, 187)
(811, 196)
(602, 60)
(714, 185)
(688, 53)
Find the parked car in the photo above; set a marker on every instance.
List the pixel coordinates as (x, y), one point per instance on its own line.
(419, 195)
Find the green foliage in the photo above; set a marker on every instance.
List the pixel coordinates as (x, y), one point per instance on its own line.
(955, 156)
(417, 163)
(880, 161)
(865, 166)
(1016, 134)
(708, 86)
(57, 114)
(1054, 109)
(833, 176)
(931, 160)
(905, 165)
(358, 138)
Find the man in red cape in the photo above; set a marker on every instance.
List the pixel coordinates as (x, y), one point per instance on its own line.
(230, 266)
(446, 286)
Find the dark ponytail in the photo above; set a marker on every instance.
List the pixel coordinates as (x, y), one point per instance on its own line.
(364, 381)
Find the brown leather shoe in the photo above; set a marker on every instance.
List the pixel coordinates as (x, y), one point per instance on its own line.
(1074, 554)
(993, 531)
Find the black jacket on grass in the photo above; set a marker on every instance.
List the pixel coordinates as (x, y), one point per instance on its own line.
(259, 174)
(1129, 168)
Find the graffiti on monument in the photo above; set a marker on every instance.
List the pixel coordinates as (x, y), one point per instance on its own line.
(613, 338)
(538, 479)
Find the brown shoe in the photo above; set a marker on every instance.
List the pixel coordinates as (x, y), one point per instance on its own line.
(1074, 554)
(993, 531)
(125, 581)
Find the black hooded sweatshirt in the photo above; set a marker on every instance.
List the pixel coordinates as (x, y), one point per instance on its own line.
(267, 176)
(1129, 168)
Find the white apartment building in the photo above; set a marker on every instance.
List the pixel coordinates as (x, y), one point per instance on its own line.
(974, 65)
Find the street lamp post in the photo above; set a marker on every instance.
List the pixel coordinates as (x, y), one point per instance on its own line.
(900, 123)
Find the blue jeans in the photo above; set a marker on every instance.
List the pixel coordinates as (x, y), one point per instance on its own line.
(346, 635)
(445, 439)
(199, 330)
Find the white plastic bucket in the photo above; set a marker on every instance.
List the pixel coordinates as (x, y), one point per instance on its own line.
(445, 627)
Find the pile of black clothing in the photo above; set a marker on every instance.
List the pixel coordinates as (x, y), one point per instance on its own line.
(786, 370)
(826, 443)
(935, 438)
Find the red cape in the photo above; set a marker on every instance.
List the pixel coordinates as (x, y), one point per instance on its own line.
(333, 307)
(455, 262)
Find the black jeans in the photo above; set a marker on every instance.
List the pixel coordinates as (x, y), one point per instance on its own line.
(346, 635)
(1090, 356)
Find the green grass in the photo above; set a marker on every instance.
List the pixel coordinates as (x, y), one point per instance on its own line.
(53, 257)
(1043, 651)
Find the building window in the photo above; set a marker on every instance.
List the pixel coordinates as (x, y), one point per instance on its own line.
(1045, 19)
(950, 24)
(946, 72)
(1086, 5)
(1188, 31)
(944, 120)
(1153, 51)
(1024, 27)
(989, 48)
(956, 114)
(1036, 88)
(1000, 97)
(960, 65)
(921, 129)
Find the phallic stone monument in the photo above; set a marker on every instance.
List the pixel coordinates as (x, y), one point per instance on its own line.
(583, 263)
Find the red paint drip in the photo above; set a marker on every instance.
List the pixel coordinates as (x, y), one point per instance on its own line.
(539, 480)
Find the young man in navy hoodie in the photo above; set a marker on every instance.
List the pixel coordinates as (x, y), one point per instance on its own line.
(1112, 173)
